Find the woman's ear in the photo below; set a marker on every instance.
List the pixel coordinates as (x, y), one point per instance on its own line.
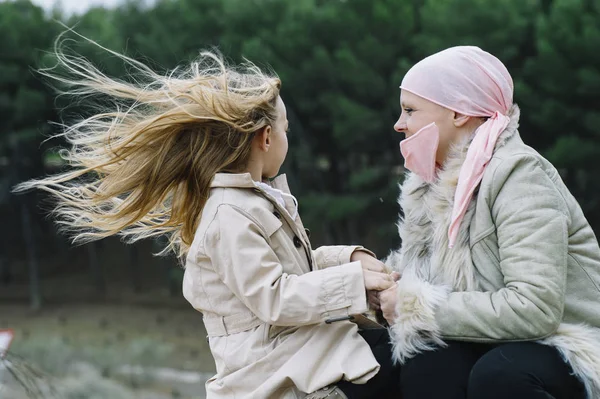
(263, 138)
(460, 120)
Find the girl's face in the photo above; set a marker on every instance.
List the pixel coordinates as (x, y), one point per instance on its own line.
(418, 112)
(279, 143)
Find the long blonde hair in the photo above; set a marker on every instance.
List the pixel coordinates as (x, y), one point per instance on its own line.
(143, 167)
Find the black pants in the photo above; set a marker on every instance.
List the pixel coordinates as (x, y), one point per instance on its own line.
(385, 384)
(522, 370)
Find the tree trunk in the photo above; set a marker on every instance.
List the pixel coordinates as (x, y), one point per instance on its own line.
(35, 294)
(167, 264)
(134, 274)
(95, 269)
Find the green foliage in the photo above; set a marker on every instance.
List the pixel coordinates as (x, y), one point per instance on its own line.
(341, 62)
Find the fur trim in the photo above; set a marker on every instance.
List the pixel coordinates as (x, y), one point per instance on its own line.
(424, 232)
(515, 115)
(427, 215)
(415, 329)
(579, 345)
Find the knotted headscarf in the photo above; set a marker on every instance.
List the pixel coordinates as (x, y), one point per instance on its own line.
(472, 82)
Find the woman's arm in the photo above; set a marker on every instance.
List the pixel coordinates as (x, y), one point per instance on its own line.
(531, 222)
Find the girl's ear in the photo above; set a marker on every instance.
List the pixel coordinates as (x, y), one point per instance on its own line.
(460, 120)
(263, 138)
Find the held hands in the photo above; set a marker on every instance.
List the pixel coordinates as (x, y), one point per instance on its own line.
(374, 272)
(376, 277)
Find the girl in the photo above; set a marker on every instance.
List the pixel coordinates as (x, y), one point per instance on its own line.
(190, 155)
(500, 269)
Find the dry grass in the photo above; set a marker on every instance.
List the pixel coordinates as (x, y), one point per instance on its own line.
(159, 337)
(108, 337)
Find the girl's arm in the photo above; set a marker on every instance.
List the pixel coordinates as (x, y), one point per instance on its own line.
(335, 255)
(249, 267)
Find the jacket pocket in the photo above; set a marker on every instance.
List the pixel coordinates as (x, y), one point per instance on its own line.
(279, 333)
(274, 336)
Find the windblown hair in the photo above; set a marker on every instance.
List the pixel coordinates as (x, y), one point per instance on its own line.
(143, 167)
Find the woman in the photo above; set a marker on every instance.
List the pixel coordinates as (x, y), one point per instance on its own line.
(499, 295)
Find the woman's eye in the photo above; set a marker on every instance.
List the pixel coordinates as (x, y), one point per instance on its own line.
(408, 110)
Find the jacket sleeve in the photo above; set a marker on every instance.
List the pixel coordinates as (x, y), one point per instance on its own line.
(245, 261)
(335, 255)
(530, 217)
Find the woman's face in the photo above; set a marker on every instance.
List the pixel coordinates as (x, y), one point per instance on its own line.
(418, 112)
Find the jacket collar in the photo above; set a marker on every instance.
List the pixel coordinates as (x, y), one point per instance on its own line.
(244, 180)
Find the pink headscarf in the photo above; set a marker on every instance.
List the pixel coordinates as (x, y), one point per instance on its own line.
(472, 82)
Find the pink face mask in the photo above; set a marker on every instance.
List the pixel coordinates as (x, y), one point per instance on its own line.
(419, 152)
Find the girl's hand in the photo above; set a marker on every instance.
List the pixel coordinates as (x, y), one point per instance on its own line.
(387, 300)
(368, 262)
(373, 299)
(375, 281)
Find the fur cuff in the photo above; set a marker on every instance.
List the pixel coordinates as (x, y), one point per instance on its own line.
(393, 261)
(415, 329)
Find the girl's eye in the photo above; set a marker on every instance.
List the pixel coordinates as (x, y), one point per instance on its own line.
(408, 110)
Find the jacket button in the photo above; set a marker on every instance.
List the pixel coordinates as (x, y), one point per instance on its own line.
(297, 242)
(277, 215)
(307, 231)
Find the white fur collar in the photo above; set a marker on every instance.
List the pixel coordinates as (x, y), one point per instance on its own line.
(423, 228)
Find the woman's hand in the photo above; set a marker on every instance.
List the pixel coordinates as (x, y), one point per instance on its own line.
(387, 300)
(373, 296)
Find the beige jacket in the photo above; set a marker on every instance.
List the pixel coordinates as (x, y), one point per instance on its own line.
(526, 265)
(268, 300)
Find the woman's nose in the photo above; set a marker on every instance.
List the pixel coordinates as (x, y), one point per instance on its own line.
(400, 126)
